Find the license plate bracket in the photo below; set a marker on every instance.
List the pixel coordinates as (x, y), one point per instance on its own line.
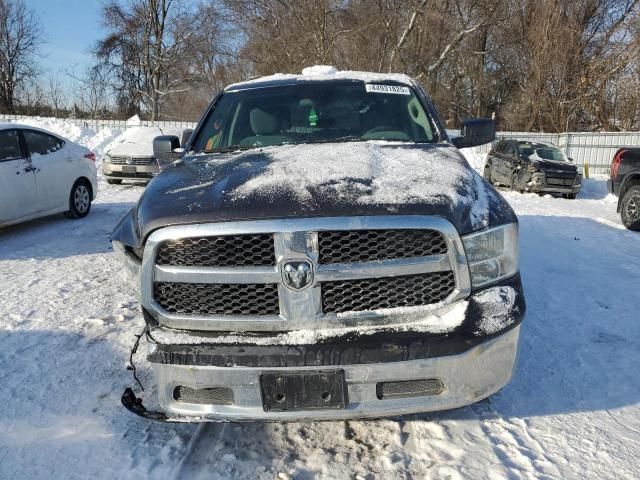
(309, 390)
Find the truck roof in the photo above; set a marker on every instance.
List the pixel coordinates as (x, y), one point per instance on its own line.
(321, 73)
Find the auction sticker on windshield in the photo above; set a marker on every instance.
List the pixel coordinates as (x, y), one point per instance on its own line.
(387, 89)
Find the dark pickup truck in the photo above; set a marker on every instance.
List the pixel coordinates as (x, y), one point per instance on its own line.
(625, 183)
(322, 250)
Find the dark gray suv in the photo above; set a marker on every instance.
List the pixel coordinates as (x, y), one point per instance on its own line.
(532, 167)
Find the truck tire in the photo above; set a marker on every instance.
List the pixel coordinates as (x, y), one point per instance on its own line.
(630, 208)
(79, 200)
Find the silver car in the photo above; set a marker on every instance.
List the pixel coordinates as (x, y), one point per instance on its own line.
(131, 158)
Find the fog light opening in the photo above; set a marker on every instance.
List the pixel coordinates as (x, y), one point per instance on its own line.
(409, 388)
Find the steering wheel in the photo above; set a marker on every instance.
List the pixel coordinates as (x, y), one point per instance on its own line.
(381, 128)
(388, 132)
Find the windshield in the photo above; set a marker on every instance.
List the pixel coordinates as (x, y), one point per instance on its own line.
(546, 152)
(315, 112)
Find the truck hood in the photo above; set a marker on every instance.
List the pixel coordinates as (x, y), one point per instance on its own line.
(320, 180)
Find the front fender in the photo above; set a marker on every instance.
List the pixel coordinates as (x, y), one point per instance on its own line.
(126, 230)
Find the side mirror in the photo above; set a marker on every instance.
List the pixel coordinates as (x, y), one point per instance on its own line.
(186, 136)
(163, 149)
(570, 159)
(475, 132)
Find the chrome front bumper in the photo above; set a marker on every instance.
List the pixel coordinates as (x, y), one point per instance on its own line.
(467, 378)
(129, 172)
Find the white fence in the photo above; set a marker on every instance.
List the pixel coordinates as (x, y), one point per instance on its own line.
(98, 125)
(586, 148)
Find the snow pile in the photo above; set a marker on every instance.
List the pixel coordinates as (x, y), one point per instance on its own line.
(595, 188)
(134, 121)
(101, 140)
(62, 128)
(320, 70)
(475, 158)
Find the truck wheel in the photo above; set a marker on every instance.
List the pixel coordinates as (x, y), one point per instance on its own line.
(79, 200)
(487, 174)
(630, 208)
(114, 181)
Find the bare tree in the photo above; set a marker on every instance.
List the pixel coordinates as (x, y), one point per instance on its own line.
(56, 95)
(20, 38)
(535, 64)
(145, 50)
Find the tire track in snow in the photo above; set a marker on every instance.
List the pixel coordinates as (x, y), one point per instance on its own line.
(514, 444)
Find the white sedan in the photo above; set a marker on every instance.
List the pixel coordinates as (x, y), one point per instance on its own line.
(43, 174)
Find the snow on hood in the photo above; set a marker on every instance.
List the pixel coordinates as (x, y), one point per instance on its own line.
(379, 172)
(138, 141)
(326, 72)
(535, 157)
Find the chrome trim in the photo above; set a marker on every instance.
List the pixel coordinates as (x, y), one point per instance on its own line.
(467, 377)
(216, 274)
(296, 239)
(405, 266)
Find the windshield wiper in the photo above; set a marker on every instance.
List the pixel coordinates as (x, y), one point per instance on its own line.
(348, 138)
(230, 148)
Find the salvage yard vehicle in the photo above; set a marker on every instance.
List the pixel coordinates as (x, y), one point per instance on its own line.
(131, 158)
(624, 182)
(43, 174)
(532, 167)
(322, 250)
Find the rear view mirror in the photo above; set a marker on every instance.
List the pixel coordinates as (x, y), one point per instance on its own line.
(164, 148)
(475, 132)
(186, 136)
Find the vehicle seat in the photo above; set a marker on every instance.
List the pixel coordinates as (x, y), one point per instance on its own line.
(267, 128)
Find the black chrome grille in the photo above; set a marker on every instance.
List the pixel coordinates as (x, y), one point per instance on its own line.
(204, 396)
(371, 245)
(389, 292)
(220, 251)
(217, 299)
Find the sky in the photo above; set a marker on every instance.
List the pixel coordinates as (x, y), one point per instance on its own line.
(71, 27)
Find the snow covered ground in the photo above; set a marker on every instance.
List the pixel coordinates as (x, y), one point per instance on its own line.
(572, 410)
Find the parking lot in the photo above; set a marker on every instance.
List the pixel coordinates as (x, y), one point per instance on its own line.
(70, 319)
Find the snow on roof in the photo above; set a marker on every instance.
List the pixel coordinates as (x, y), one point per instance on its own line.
(324, 73)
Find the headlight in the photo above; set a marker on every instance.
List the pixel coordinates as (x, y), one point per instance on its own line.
(492, 255)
